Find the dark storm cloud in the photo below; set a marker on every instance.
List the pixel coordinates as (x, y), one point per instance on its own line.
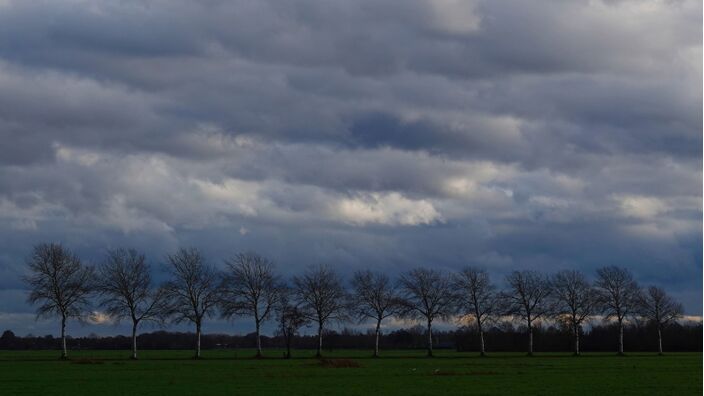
(551, 134)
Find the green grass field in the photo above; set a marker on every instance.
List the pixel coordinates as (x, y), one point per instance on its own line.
(398, 372)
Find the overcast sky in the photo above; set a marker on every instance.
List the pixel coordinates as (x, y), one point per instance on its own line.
(544, 135)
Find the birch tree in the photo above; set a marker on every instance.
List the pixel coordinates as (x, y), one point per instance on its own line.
(320, 294)
(192, 292)
(60, 284)
(476, 297)
(249, 288)
(127, 292)
(527, 298)
(661, 309)
(376, 298)
(427, 294)
(575, 300)
(619, 296)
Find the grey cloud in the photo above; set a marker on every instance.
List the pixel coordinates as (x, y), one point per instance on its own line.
(362, 134)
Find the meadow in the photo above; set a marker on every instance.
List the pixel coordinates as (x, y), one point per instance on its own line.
(346, 372)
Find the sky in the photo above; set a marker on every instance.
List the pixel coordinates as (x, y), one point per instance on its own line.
(510, 135)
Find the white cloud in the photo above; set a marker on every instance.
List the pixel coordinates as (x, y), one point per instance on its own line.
(389, 209)
(29, 216)
(231, 196)
(99, 318)
(641, 207)
(77, 156)
(118, 213)
(455, 16)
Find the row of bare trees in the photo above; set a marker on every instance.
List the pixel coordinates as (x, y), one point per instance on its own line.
(61, 285)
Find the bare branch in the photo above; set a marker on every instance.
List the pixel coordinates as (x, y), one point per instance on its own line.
(59, 284)
(249, 288)
(658, 307)
(428, 294)
(320, 294)
(476, 297)
(619, 296)
(374, 297)
(527, 298)
(192, 292)
(126, 290)
(575, 300)
(290, 317)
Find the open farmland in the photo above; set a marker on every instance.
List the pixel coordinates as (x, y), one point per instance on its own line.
(347, 373)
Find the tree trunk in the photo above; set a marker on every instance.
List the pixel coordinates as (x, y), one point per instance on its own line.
(288, 346)
(620, 337)
(376, 339)
(64, 351)
(259, 341)
(530, 339)
(659, 341)
(430, 339)
(134, 340)
(197, 341)
(482, 352)
(576, 339)
(319, 353)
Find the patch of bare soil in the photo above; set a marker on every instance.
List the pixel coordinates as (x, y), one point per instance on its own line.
(338, 363)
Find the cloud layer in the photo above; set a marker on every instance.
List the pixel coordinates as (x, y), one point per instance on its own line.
(543, 135)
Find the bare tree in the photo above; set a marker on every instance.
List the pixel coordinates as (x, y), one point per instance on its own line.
(321, 295)
(619, 296)
(192, 292)
(249, 288)
(126, 290)
(527, 298)
(375, 297)
(575, 300)
(659, 308)
(427, 294)
(476, 297)
(60, 284)
(291, 318)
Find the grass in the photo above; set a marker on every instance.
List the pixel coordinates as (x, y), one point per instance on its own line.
(347, 373)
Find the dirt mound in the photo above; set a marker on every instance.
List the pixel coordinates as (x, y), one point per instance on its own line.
(338, 363)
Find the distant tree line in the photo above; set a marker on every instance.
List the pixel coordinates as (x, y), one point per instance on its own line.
(683, 336)
(62, 286)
